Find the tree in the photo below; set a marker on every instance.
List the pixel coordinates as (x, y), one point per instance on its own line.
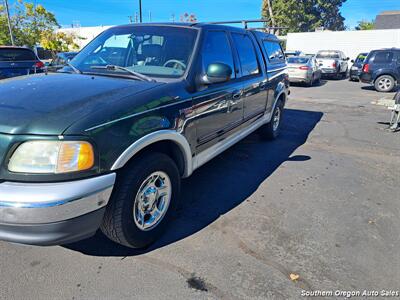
(365, 25)
(33, 25)
(305, 15)
(188, 18)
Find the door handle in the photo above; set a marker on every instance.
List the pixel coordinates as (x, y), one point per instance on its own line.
(237, 95)
(263, 86)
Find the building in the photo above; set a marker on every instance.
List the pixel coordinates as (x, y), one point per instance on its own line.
(388, 20)
(350, 42)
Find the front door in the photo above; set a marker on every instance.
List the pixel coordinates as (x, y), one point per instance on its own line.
(218, 107)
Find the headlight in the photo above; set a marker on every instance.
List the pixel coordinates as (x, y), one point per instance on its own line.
(42, 157)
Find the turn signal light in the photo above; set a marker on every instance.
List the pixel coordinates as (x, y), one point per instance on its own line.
(304, 68)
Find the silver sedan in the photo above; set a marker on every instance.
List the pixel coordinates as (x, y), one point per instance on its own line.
(304, 69)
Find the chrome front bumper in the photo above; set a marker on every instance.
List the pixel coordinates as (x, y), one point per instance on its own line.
(28, 211)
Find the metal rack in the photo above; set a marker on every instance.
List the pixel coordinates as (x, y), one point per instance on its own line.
(245, 24)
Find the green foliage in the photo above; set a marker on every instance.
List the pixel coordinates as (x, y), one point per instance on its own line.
(33, 25)
(365, 25)
(305, 15)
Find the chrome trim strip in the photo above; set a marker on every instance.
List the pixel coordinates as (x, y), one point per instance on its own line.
(208, 154)
(39, 203)
(136, 114)
(276, 70)
(158, 136)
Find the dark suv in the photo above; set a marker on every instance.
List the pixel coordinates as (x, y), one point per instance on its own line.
(104, 142)
(382, 69)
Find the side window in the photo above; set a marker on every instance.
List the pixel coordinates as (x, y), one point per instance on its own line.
(383, 57)
(274, 51)
(247, 54)
(217, 49)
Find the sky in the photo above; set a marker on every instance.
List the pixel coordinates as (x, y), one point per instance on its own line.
(115, 12)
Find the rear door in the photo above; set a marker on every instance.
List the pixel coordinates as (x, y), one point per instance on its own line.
(252, 76)
(276, 69)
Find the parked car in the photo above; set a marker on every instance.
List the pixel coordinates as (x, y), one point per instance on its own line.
(291, 53)
(105, 142)
(333, 63)
(61, 60)
(382, 69)
(18, 61)
(45, 55)
(356, 68)
(304, 69)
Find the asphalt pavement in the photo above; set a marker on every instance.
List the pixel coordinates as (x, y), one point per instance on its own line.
(317, 209)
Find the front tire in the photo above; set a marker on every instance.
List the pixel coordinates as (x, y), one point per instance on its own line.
(144, 197)
(271, 130)
(385, 83)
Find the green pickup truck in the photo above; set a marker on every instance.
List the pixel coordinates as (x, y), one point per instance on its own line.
(104, 142)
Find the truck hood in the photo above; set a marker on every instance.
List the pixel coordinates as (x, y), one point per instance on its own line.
(48, 104)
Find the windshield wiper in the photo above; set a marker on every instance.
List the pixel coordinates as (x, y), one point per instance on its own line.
(135, 74)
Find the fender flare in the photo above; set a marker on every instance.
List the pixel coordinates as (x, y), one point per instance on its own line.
(154, 137)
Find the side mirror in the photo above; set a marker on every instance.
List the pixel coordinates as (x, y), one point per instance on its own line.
(217, 73)
(348, 58)
(352, 61)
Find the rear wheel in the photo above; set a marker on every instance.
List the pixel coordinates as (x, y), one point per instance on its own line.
(385, 83)
(144, 197)
(271, 130)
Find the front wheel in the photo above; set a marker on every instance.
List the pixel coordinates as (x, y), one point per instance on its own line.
(271, 130)
(385, 83)
(144, 197)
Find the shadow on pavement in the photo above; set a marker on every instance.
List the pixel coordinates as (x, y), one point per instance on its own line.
(222, 184)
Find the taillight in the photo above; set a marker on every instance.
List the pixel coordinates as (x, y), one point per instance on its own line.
(366, 68)
(39, 65)
(334, 64)
(304, 68)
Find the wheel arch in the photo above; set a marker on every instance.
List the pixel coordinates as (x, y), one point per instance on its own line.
(169, 142)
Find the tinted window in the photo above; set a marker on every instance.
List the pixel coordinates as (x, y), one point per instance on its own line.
(217, 49)
(9, 54)
(247, 54)
(328, 54)
(274, 51)
(298, 60)
(383, 57)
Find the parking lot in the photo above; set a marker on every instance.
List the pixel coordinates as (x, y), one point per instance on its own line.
(321, 202)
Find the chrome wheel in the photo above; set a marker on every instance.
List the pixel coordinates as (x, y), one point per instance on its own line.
(276, 119)
(152, 201)
(385, 84)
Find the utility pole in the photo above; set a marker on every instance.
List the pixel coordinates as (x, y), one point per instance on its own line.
(140, 11)
(271, 12)
(9, 22)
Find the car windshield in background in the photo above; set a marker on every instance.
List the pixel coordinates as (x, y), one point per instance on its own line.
(15, 54)
(157, 51)
(331, 55)
(361, 58)
(298, 60)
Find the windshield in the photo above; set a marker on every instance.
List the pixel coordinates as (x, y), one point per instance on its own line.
(157, 51)
(360, 58)
(10, 54)
(328, 55)
(298, 60)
